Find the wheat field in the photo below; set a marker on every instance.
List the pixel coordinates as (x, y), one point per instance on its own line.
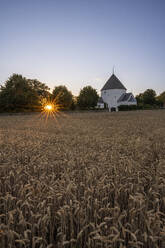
(84, 180)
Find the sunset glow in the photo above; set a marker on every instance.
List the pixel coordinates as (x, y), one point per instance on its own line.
(48, 107)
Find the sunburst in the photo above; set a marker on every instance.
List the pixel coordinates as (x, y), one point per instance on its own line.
(50, 108)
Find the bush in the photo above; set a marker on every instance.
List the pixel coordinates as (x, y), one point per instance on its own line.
(138, 107)
(127, 107)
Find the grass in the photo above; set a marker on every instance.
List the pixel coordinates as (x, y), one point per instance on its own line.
(87, 180)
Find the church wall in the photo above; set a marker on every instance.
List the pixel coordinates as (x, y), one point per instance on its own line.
(111, 96)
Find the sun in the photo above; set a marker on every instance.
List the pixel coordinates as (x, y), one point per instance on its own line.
(51, 108)
(48, 107)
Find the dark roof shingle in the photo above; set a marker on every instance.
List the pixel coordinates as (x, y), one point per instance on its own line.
(113, 83)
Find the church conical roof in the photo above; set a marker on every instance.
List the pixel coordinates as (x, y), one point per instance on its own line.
(113, 83)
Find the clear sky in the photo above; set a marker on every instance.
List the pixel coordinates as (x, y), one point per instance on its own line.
(77, 42)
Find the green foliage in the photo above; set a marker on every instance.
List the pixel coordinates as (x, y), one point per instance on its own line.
(128, 107)
(140, 106)
(161, 99)
(63, 97)
(139, 98)
(21, 94)
(41, 89)
(87, 98)
(148, 98)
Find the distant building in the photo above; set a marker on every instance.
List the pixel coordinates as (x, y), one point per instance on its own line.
(100, 103)
(113, 94)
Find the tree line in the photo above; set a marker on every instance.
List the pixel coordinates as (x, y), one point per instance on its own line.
(149, 99)
(21, 94)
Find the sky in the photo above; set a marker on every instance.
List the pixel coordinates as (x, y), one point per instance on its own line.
(77, 42)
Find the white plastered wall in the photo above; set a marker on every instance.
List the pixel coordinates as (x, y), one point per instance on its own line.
(111, 96)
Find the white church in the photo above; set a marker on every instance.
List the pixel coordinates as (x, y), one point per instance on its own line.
(113, 94)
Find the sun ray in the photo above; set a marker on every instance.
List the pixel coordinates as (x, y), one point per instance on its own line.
(51, 109)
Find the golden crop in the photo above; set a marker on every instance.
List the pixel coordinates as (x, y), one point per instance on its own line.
(87, 180)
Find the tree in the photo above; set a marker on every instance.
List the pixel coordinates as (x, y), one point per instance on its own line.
(41, 89)
(140, 99)
(62, 96)
(40, 92)
(19, 93)
(14, 93)
(161, 99)
(87, 98)
(149, 97)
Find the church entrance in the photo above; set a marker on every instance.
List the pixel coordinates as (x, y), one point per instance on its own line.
(113, 109)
